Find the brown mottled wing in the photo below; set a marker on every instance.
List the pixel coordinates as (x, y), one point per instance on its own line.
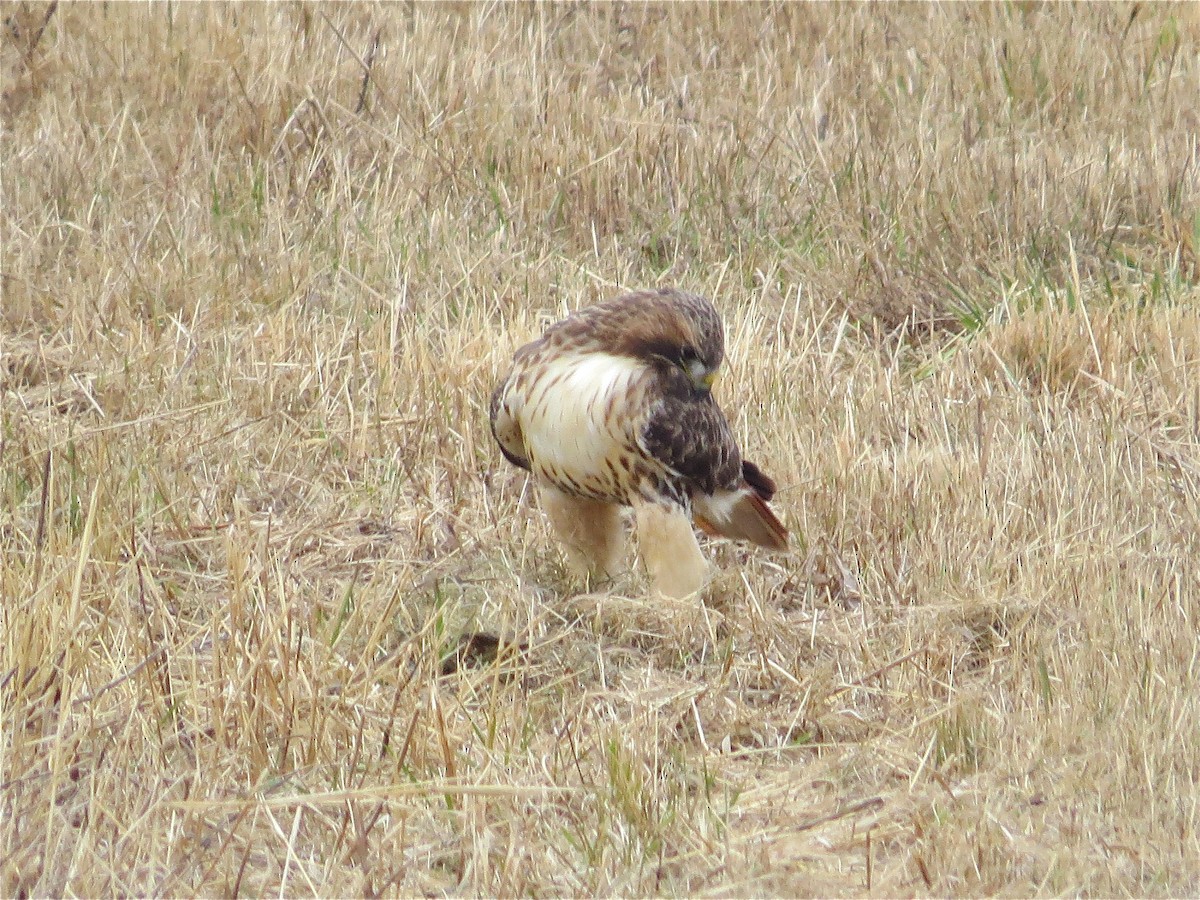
(692, 438)
(505, 429)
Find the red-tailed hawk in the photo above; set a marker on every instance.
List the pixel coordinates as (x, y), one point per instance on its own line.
(612, 407)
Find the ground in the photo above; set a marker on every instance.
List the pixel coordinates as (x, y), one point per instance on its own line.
(277, 617)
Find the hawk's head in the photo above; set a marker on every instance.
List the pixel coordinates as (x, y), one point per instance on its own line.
(678, 333)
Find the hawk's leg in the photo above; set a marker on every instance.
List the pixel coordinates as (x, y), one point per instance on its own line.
(669, 548)
(591, 531)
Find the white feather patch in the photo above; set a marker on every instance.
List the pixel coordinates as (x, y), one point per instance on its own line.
(718, 508)
(565, 426)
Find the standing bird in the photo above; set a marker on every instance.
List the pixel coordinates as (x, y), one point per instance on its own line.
(613, 407)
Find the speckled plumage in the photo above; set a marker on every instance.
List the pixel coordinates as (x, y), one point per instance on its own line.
(611, 407)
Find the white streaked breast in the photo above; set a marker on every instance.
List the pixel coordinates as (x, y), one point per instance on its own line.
(566, 430)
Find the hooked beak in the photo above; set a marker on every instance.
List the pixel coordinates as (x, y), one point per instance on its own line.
(700, 376)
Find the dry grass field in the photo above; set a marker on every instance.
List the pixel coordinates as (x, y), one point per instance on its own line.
(278, 619)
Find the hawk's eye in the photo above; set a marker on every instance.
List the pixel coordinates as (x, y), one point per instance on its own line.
(688, 354)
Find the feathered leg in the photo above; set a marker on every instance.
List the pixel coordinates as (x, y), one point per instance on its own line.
(591, 531)
(669, 549)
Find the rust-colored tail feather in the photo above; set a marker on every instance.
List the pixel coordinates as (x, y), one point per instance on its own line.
(742, 515)
(753, 521)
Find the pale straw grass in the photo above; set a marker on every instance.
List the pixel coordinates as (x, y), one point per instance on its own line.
(279, 620)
